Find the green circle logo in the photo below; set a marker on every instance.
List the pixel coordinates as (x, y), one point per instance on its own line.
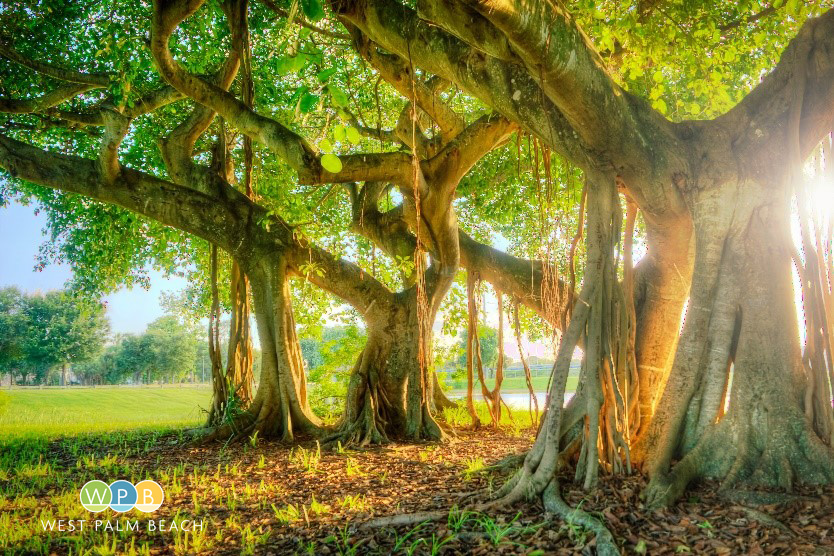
(96, 496)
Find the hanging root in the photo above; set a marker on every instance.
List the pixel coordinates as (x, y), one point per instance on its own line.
(534, 402)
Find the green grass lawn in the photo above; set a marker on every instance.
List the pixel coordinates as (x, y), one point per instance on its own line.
(55, 412)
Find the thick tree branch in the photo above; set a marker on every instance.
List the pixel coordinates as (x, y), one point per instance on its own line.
(759, 123)
(227, 218)
(397, 73)
(170, 204)
(520, 278)
(511, 90)
(457, 157)
(341, 278)
(559, 56)
(178, 148)
(469, 26)
(292, 148)
(44, 102)
(63, 74)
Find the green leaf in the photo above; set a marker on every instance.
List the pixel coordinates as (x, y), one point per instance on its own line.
(354, 136)
(325, 145)
(308, 102)
(658, 76)
(324, 75)
(289, 65)
(660, 105)
(339, 97)
(312, 9)
(331, 163)
(339, 132)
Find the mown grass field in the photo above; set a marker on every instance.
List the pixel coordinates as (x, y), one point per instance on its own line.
(70, 411)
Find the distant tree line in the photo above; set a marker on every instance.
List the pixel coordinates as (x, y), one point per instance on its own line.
(43, 335)
(60, 338)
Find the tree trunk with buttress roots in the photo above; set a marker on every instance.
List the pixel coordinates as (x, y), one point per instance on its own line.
(739, 348)
(387, 397)
(393, 391)
(279, 409)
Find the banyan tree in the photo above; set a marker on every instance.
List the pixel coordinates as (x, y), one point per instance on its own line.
(689, 132)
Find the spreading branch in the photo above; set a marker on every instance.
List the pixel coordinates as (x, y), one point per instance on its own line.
(287, 144)
(56, 72)
(44, 102)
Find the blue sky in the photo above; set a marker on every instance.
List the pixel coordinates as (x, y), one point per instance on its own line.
(20, 236)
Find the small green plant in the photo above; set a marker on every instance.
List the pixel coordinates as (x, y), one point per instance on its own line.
(399, 541)
(318, 508)
(286, 515)
(499, 533)
(343, 542)
(306, 459)
(353, 468)
(458, 518)
(354, 502)
(707, 527)
(473, 466)
(251, 539)
(437, 543)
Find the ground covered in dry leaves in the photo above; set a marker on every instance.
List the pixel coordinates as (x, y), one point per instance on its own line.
(264, 497)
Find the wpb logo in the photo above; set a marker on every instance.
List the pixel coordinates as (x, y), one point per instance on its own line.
(121, 496)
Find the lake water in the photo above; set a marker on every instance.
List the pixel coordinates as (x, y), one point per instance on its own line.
(515, 400)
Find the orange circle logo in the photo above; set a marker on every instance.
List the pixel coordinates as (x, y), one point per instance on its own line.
(149, 496)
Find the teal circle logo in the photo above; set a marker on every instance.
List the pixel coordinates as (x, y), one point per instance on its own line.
(96, 496)
(123, 496)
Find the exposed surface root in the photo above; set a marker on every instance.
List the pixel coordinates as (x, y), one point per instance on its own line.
(553, 502)
(791, 454)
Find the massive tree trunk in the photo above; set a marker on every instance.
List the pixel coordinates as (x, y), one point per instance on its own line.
(739, 349)
(280, 408)
(389, 396)
(392, 391)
